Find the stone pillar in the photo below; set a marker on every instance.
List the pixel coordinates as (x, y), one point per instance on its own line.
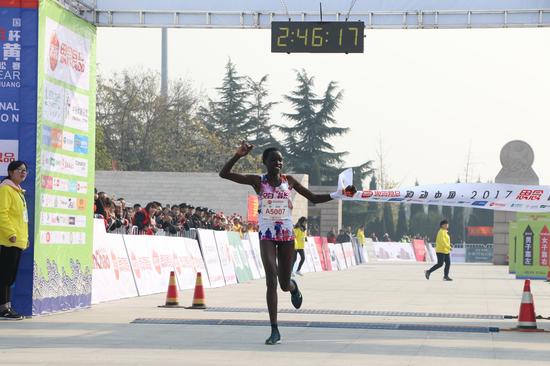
(330, 212)
(517, 159)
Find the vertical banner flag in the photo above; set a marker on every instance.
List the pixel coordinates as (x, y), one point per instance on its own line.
(544, 247)
(18, 57)
(528, 246)
(529, 240)
(65, 157)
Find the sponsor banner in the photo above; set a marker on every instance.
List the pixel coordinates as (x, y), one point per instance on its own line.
(62, 202)
(349, 254)
(249, 252)
(112, 277)
(529, 245)
(430, 250)
(458, 255)
(56, 219)
(194, 250)
(152, 258)
(211, 259)
(419, 250)
(68, 54)
(254, 239)
(333, 256)
(493, 196)
(66, 113)
(316, 260)
(184, 262)
(65, 140)
(394, 251)
(308, 262)
(146, 264)
(224, 252)
(64, 107)
(322, 249)
(48, 237)
(340, 257)
(59, 163)
(364, 253)
(64, 185)
(239, 258)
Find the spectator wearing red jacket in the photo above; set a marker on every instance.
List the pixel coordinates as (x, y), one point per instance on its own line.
(142, 218)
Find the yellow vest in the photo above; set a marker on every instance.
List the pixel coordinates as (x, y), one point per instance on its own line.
(443, 242)
(299, 238)
(361, 237)
(13, 216)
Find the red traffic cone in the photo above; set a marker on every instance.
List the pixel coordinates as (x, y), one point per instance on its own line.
(527, 319)
(198, 296)
(172, 293)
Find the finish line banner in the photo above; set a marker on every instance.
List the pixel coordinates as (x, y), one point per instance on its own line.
(492, 196)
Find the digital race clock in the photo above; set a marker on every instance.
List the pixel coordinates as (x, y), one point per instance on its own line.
(317, 37)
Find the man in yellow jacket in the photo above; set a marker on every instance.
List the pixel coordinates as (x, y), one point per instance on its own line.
(443, 251)
(14, 234)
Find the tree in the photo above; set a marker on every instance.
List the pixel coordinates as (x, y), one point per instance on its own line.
(229, 116)
(355, 214)
(307, 140)
(142, 130)
(259, 125)
(447, 213)
(103, 159)
(416, 208)
(387, 221)
(456, 227)
(402, 227)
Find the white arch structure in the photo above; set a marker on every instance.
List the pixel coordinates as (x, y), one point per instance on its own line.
(258, 14)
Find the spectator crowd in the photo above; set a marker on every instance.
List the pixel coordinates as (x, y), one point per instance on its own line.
(154, 218)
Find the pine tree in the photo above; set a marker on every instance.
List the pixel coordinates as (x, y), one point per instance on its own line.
(402, 228)
(260, 129)
(306, 141)
(447, 213)
(229, 116)
(388, 222)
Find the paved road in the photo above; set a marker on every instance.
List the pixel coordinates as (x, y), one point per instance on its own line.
(105, 333)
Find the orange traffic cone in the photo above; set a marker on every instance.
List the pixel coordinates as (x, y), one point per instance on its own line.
(527, 321)
(172, 293)
(198, 296)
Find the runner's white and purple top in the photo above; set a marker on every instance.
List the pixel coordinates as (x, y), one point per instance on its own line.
(275, 211)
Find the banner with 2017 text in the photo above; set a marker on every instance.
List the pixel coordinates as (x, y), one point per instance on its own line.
(493, 196)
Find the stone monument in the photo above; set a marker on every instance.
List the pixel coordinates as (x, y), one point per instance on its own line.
(517, 158)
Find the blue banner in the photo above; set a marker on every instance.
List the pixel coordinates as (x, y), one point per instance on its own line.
(18, 88)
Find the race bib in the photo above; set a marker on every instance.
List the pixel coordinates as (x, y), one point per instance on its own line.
(276, 209)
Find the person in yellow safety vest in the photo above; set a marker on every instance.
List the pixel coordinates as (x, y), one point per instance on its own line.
(14, 233)
(300, 235)
(361, 235)
(443, 249)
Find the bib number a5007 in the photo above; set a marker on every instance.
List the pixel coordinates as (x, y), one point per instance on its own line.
(276, 209)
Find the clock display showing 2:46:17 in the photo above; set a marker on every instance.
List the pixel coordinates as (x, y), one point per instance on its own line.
(315, 37)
